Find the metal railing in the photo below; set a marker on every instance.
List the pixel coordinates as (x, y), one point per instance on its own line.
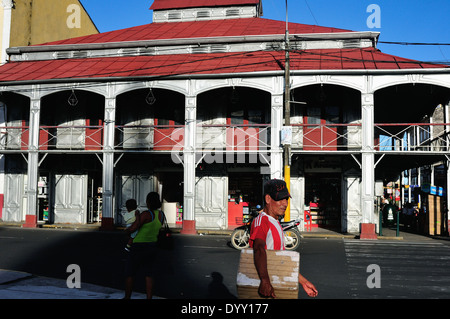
(14, 137)
(53, 138)
(411, 137)
(232, 137)
(389, 137)
(150, 137)
(326, 136)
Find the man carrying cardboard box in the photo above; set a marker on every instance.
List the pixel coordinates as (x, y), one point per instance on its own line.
(267, 233)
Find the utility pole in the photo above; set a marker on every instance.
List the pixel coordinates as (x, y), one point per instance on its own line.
(287, 115)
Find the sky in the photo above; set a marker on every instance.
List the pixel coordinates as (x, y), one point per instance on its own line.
(406, 21)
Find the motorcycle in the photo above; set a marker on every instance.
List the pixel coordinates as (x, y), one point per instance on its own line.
(241, 235)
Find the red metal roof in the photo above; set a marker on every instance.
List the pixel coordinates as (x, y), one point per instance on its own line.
(189, 64)
(200, 29)
(178, 4)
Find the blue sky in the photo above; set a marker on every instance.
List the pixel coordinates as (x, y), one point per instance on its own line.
(401, 20)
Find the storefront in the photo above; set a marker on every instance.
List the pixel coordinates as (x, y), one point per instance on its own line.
(323, 199)
(245, 193)
(432, 215)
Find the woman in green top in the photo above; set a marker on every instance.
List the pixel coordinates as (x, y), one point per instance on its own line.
(144, 251)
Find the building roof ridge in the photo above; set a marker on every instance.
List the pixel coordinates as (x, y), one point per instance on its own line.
(181, 4)
(199, 29)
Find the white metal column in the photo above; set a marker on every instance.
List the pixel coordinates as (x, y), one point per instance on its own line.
(33, 162)
(368, 159)
(189, 165)
(276, 165)
(108, 163)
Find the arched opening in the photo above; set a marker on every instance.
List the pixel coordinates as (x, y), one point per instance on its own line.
(70, 177)
(411, 132)
(15, 115)
(233, 118)
(410, 118)
(408, 103)
(150, 119)
(150, 123)
(233, 134)
(14, 136)
(325, 119)
(72, 120)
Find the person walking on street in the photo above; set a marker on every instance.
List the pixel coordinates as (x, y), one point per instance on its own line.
(267, 233)
(144, 251)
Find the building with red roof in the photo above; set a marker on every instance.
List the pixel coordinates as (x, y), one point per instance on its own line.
(195, 106)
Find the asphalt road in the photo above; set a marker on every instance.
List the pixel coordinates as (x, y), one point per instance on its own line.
(197, 265)
(204, 267)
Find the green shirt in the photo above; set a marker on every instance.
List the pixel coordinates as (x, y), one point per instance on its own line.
(148, 233)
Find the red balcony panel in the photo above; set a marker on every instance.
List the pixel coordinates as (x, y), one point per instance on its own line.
(168, 138)
(243, 138)
(94, 135)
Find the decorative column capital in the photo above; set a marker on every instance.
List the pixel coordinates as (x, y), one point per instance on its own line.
(367, 99)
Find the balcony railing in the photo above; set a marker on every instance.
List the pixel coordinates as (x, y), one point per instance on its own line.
(53, 138)
(326, 137)
(71, 137)
(410, 137)
(389, 137)
(231, 137)
(150, 137)
(14, 137)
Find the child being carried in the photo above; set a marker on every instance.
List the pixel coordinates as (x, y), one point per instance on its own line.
(130, 217)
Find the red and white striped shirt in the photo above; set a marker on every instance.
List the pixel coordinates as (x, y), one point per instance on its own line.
(269, 229)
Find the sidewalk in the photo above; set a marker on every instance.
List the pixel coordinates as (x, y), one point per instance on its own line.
(19, 285)
(388, 233)
(314, 232)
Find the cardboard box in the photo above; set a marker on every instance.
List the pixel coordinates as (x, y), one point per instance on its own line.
(283, 267)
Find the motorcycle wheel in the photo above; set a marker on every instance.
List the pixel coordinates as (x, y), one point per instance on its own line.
(240, 239)
(292, 239)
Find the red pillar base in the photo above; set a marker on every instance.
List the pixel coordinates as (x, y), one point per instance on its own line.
(188, 228)
(30, 221)
(368, 232)
(107, 224)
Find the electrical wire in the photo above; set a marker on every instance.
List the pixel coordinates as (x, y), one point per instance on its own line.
(309, 8)
(414, 43)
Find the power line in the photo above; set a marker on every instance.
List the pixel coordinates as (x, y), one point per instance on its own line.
(414, 43)
(337, 57)
(309, 8)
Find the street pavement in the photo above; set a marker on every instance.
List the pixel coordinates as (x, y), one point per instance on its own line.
(407, 270)
(22, 285)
